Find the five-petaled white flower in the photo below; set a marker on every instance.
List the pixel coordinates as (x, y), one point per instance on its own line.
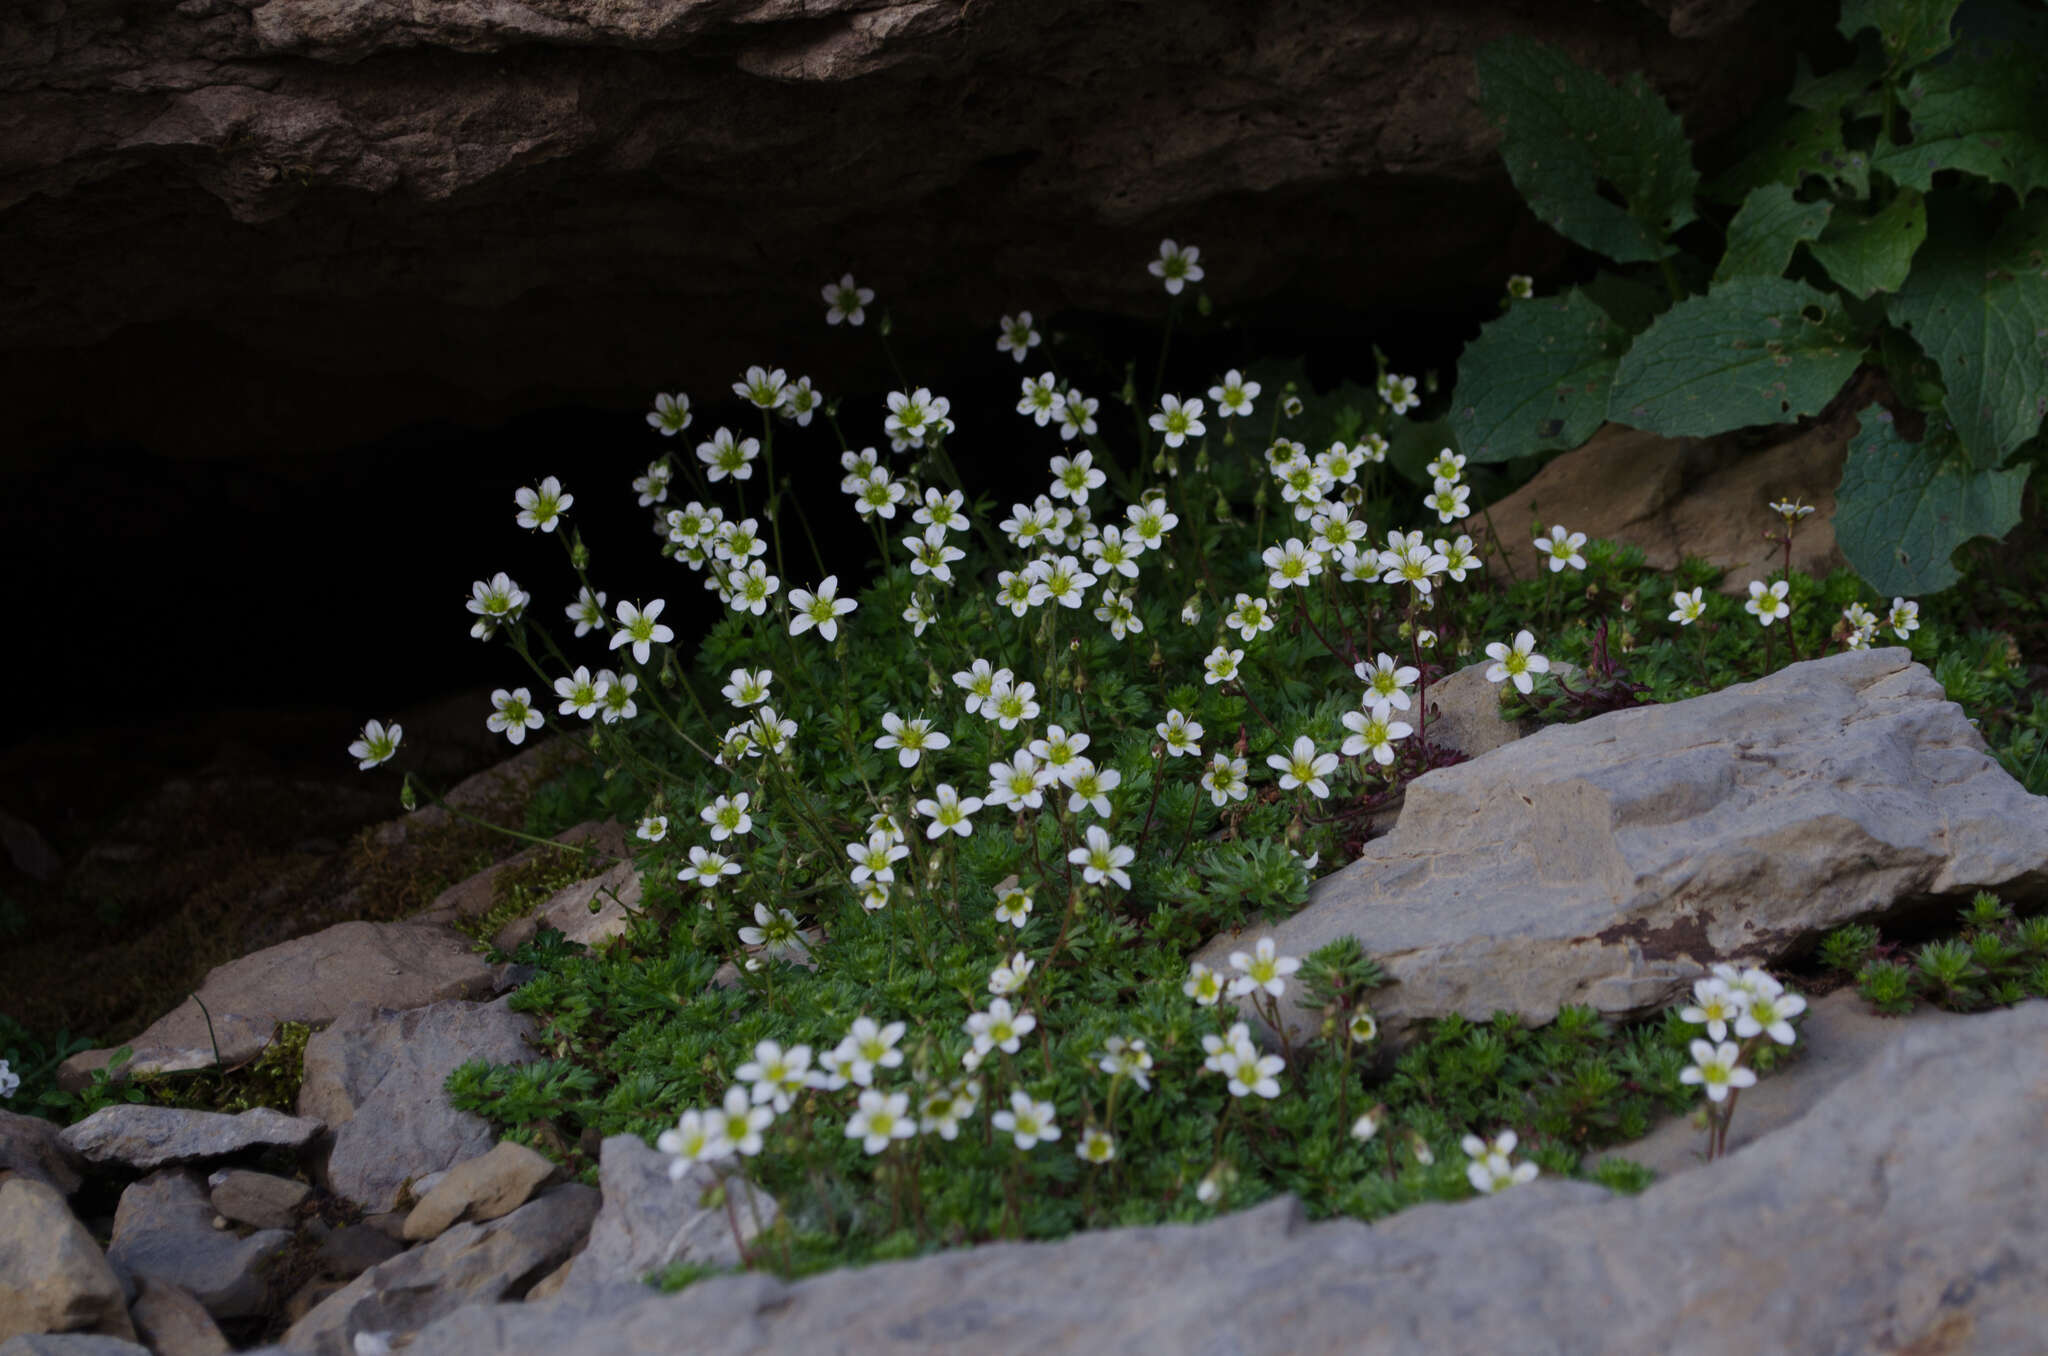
(980, 682)
(514, 715)
(1096, 1146)
(948, 813)
(726, 455)
(651, 828)
(1399, 393)
(376, 744)
(542, 508)
(1373, 733)
(1714, 1006)
(1179, 734)
(1101, 860)
(742, 1123)
(1768, 604)
(1448, 498)
(763, 389)
(822, 609)
(1127, 1057)
(1224, 779)
(1562, 549)
(1020, 782)
(1716, 1069)
(1770, 1014)
(1011, 704)
(1904, 618)
(1221, 665)
(1203, 985)
(1179, 420)
(883, 1118)
(869, 1046)
(587, 612)
(1014, 907)
(752, 588)
(1001, 1027)
(1687, 608)
(1261, 970)
(708, 868)
(1076, 477)
(618, 695)
(846, 301)
(1517, 663)
(1791, 510)
(494, 601)
(1016, 337)
(946, 1105)
(1386, 682)
(1027, 1122)
(699, 1137)
(581, 694)
(776, 1075)
(910, 738)
(875, 859)
(1076, 414)
(1176, 265)
(1249, 1073)
(727, 816)
(671, 414)
(748, 687)
(1234, 395)
(1304, 766)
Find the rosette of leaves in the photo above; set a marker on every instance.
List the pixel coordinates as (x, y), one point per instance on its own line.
(1890, 213)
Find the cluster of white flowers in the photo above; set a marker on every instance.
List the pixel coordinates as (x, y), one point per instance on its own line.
(1752, 1006)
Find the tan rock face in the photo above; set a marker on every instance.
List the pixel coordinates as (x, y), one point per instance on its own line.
(56, 1278)
(1607, 862)
(296, 194)
(479, 1189)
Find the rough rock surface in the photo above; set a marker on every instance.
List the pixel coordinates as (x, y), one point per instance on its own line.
(649, 1221)
(164, 1229)
(376, 1077)
(1465, 711)
(310, 979)
(258, 1199)
(174, 1323)
(568, 911)
(472, 898)
(144, 1137)
(70, 1344)
(53, 1277)
(33, 1147)
(356, 191)
(1907, 1205)
(1605, 863)
(479, 1189)
(470, 1264)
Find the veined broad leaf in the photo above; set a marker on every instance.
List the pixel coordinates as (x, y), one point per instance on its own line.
(1751, 351)
(1870, 254)
(1808, 141)
(1536, 379)
(1984, 112)
(1911, 31)
(1567, 132)
(1981, 312)
(1843, 89)
(1766, 230)
(1903, 508)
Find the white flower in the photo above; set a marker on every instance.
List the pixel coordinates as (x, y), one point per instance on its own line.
(1563, 549)
(1687, 608)
(495, 601)
(1119, 610)
(1076, 414)
(1714, 1006)
(1234, 395)
(1496, 1172)
(1715, 1068)
(580, 694)
(727, 816)
(822, 609)
(1221, 665)
(1151, 520)
(1063, 578)
(1057, 748)
(743, 1123)
(639, 629)
(1014, 907)
(915, 416)
(1448, 499)
(587, 611)
(725, 455)
(1203, 985)
(877, 496)
(542, 508)
(1011, 975)
(514, 715)
(1767, 604)
(1521, 286)
(376, 744)
(1110, 551)
(1127, 1058)
(980, 682)
(1410, 563)
(1459, 556)
(618, 695)
(875, 859)
(708, 868)
(1904, 618)
(1399, 393)
(1076, 477)
(869, 1047)
(1224, 779)
(699, 1137)
(1027, 1122)
(946, 1106)
(1791, 510)
(846, 301)
(1448, 465)
(1770, 1014)
(948, 813)
(1000, 1028)
(883, 1117)
(910, 738)
(1178, 420)
(1176, 266)
(1517, 663)
(1102, 860)
(763, 389)
(652, 829)
(802, 402)
(748, 687)
(1373, 733)
(1251, 1073)
(671, 414)
(943, 511)
(1090, 787)
(1011, 704)
(776, 1075)
(1363, 1027)
(1016, 337)
(1096, 1146)
(1365, 1127)
(1179, 734)
(1252, 617)
(752, 588)
(1261, 970)
(1386, 683)
(1304, 766)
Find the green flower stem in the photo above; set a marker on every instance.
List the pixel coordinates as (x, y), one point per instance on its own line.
(585, 849)
(1158, 771)
(1187, 832)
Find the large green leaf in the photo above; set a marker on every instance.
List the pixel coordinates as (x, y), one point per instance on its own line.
(1536, 379)
(1567, 132)
(1911, 31)
(1870, 254)
(1840, 89)
(1752, 351)
(1980, 310)
(1766, 230)
(1903, 508)
(1806, 142)
(1985, 112)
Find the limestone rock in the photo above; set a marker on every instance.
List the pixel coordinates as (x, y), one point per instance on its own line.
(1901, 1214)
(55, 1277)
(257, 1198)
(649, 1221)
(142, 1137)
(1605, 863)
(163, 1229)
(479, 1189)
(174, 1323)
(469, 1264)
(310, 979)
(33, 1147)
(376, 1077)
(1465, 710)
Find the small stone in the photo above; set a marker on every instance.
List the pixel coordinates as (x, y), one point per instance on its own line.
(478, 1189)
(163, 1228)
(173, 1323)
(56, 1278)
(33, 1147)
(145, 1137)
(257, 1198)
(649, 1221)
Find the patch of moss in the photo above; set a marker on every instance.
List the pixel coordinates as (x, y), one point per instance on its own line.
(518, 890)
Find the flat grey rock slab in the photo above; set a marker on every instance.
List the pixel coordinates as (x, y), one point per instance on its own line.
(70, 1344)
(469, 1264)
(649, 1221)
(53, 1277)
(1606, 863)
(33, 1147)
(1903, 1213)
(145, 1137)
(163, 1229)
(376, 1076)
(310, 979)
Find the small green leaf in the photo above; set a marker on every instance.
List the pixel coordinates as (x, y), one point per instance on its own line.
(1984, 112)
(1568, 132)
(1766, 230)
(1536, 379)
(1981, 312)
(1903, 508)
(1912, 31)
(1807, 142)
(1752, 351)
(1870, 254)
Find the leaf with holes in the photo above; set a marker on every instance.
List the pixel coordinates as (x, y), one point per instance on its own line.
(1911, 31)
(1984, 112)
(1568, 133)
(1769, 226)
(1752, 351)
(1536, 379)
(1903, 508)
(1870, 254)
(1980, 310)
(1807, 142)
